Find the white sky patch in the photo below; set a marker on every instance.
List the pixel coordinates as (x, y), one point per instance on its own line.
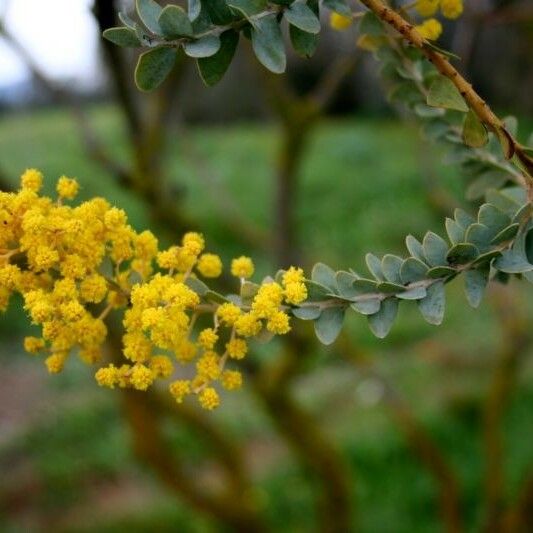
(60, 35)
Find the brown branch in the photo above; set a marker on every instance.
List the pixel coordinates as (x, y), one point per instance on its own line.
(511, 147)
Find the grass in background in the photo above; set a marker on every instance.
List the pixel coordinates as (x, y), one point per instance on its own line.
(361, 190)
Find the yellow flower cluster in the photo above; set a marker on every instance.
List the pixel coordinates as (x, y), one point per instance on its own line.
(451, 9)
(431, 28)
(339, 22)
(73, 265)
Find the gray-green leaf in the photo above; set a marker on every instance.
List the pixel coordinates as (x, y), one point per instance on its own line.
(149, 12)
(213, 68)
(122, 36)
(153, 67)
(329, 324)
(443, 93)
(381, 323)
(324, 275)
(433, 305)
(248, 7)
(268, 45)
(475, 283)
(174, 22)
(303, 43)
(435, 249)
(339, 6)
(474, 131)
(302, 17)
(204, 47)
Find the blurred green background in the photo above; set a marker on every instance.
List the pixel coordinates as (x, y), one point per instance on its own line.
(365, 181)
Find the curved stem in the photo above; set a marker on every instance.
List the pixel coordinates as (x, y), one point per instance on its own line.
(510, 145)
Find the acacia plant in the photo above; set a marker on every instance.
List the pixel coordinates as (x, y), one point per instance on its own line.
(75, 264)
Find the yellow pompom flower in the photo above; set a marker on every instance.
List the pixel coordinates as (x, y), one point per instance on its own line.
(55, 362)
(293, 275)
(248, 325)
(193, 243)
(339, 22)
(33, 344)
(242, 267)
(278, 323)
(231, 380)
(32, 180)
(209, 398)
(430, 29)
(451, 9)
(237, 348)
(161, 366)
(295, 293)
(228, 313)
(107, 376)
(67, 188)
(141, 377)
(427, 8)
(209, 265)
(179, 389)
(93, 288)
(208, 366)
(207, 338)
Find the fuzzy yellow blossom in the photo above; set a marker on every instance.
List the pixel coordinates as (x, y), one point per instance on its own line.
(207, 338)
(179, 389)
(185, 351)
(293, 275)
(32, 180)
(427, 8)
(161, 366)
(193, 243)
(91, 354)
(295, 290)
(231, 379)
(430, 29)
(248, 325)
(208, 366)
(451, 9)
(228, 313)
(137, 347)
(209, 265)
(74, 264)
(339, 22)
(236, 348)
(33, 344)
(295, 293)
(278, 323)
(55, 362)
(141, 377)
(209, 398)
(93, 288)
(267, 300)
(242, 267)
(67, 188)
(107, 376)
